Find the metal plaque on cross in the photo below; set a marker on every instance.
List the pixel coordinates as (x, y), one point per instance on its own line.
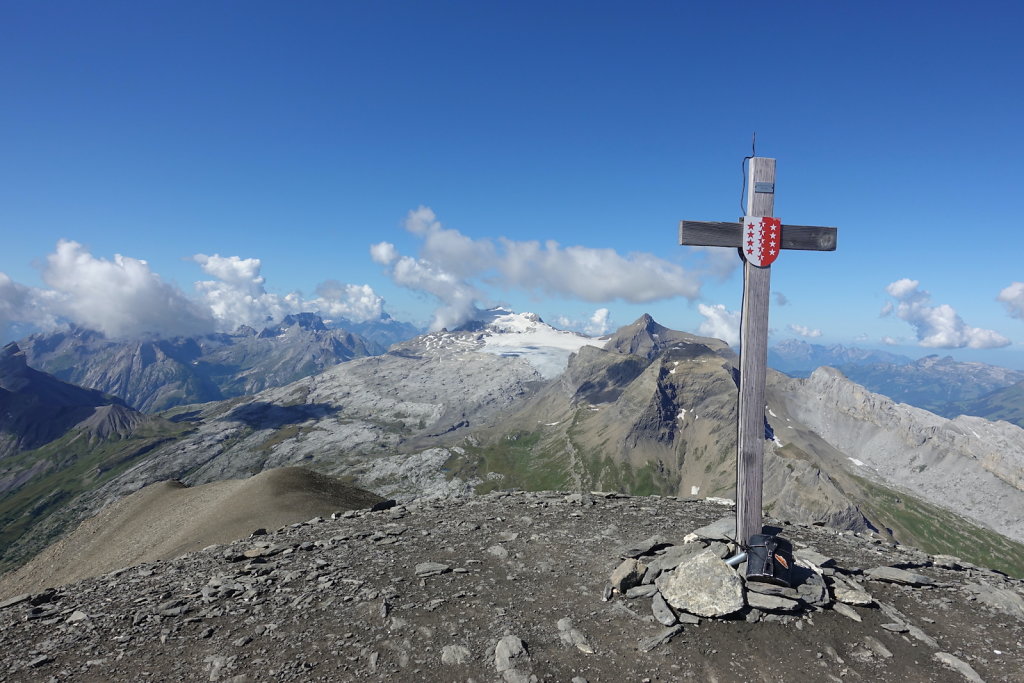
(753, 236)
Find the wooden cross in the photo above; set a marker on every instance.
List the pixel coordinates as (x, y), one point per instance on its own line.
(754, 325)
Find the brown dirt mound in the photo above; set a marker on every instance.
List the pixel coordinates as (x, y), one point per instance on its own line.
(168, 519)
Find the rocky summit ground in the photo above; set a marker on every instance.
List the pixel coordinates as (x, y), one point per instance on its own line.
(515, 587)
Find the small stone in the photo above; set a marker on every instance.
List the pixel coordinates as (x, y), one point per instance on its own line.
(662, 612)
(510, 653)
(498, 551)
(644, 591)
(959, 665)
(628, 574)
(76, 617)
(719, 549)
(572, 637)
(846, 611)
(813, 591)
(665, 636)
(947, 562)
(687, 618)
(895, 627)
(455, 654)
(39, 661)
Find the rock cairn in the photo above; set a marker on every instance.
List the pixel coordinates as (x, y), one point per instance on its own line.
(691, 580)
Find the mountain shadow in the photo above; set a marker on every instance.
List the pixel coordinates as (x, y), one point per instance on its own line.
(262, 415)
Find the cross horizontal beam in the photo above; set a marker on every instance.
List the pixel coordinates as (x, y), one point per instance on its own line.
(715, 234)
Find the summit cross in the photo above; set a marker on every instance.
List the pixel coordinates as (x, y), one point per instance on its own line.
(759, 238)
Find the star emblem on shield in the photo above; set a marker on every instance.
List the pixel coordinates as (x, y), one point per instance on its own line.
(762, 239)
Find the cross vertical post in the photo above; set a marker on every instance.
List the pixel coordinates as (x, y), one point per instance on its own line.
(759, 238)
(753, 363)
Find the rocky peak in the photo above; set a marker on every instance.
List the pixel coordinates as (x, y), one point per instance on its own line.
(13, 367)
(645, 337)
(304, 321)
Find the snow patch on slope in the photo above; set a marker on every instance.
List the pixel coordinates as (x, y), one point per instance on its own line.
(526, 336)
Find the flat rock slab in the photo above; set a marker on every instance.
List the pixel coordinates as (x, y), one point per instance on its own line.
(644, 547)
(668, 634)
(814, 557)
(772, 603)
(852, 596)
(16, 600)
(959, 665)
(1004, 600)
(722, 530)
(455, 654)
(846, 611)
(901, 576)
(704, 585)
(424, 569)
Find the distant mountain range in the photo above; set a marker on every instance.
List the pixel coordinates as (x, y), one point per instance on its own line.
(512, 402)
(941, 385)
(798, 358)
(153, 375)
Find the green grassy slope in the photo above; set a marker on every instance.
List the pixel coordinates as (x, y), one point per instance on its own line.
(59, 471)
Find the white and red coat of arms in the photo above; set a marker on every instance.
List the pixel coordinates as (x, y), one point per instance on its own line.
(762, 239)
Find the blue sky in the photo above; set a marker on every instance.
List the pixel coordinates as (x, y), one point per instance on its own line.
(300, 134)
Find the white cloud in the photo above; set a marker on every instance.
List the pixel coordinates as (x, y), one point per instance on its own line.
(449, 263)
(936, 326)
(597, 324)
(780, 299)
(121, 298)
(593, 274)
(1013, 297)
(358, 303)
(720, 263)
(720, 323)
(237, 296)
(892, 341)
(449, 250)
(383, 253)
(805, 331)
(20, 305)
(458, 298)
